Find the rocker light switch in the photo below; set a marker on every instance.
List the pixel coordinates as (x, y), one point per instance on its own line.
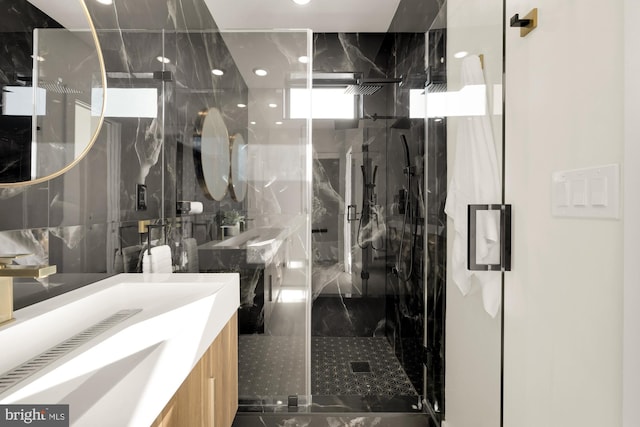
(579, 192)
(599, 191)
(561, 193)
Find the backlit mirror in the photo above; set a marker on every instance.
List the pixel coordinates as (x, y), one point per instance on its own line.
(52, 98)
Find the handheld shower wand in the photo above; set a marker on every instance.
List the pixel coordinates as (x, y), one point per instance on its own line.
(408, 171)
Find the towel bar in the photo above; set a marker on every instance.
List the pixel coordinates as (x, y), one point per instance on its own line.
(149, 227)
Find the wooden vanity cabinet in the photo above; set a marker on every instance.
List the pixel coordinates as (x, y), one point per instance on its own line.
(208, 397)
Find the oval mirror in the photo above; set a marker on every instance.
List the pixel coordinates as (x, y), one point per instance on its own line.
(52, 98)
(211, 154)
(238, 176)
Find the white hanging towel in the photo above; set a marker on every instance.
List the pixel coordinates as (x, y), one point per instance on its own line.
(158, 261)
(475, 180)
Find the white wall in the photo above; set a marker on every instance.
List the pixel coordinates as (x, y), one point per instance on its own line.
(472, 388)
(631, 349)
(564, 296)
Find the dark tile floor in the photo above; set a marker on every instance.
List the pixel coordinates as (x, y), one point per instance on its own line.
(358, 366)
(333, 420)
(270, 366)
(340, 366)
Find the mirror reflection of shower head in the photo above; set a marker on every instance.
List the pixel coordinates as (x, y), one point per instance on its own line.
(402, 123)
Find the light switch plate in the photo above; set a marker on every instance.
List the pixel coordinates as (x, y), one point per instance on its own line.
(586, 193)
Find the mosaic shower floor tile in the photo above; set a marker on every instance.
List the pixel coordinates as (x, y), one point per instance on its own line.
(357, 366)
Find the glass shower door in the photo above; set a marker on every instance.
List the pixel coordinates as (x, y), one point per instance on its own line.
(467, 221)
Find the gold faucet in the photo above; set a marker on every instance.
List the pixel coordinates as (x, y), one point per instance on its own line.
(7, 272)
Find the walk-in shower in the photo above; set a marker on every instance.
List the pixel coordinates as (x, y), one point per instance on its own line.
(368, 244)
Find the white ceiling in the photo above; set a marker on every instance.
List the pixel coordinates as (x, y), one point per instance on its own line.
(318, 15)
(321, 16)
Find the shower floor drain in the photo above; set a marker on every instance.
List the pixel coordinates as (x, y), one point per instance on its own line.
(22, 372)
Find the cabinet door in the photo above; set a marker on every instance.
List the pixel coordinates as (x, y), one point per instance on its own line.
(221, 379)
(208, 397)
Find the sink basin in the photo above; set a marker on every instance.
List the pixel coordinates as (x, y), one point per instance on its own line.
(253, 238)
(126, 374)
(255, 247)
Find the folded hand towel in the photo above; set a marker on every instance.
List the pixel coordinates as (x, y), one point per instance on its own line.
(158, 261)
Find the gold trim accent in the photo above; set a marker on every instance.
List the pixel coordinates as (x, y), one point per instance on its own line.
(6, 322)
(32, 271)
(533, 16)
(8, 258)
(6, 300)
(481, 57)
(143, 226)
(94, 137)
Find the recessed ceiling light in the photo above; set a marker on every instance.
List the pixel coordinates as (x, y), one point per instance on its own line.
(241, 105)
(460, 54)
(301, 1)
(261, 72)
(278, 123)
(272, 105)
(304, 59)
(105, 1)
(217, 72)
(253, 123)
(163, 59)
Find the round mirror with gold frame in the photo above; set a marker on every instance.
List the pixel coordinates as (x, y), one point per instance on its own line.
(52, 109)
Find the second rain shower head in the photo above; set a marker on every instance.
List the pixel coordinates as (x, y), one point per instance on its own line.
(369, 86)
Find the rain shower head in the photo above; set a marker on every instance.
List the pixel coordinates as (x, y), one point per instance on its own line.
(58, 87)
(401, 122)
(353, 82)
(362, 89)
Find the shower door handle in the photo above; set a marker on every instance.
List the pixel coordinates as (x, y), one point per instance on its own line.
(505, 238)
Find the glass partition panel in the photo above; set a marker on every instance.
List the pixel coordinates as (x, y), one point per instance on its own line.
(223, 175)
(242, 156)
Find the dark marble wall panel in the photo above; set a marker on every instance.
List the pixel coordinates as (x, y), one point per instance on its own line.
(152, 15)
(405, 178)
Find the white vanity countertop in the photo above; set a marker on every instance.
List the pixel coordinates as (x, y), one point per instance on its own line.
(127, 374)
